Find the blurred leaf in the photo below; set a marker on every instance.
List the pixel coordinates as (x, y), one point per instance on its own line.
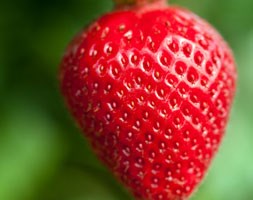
(75, 183)
(29, 152)
(245, 81)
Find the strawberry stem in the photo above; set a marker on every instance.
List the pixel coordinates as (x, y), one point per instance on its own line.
(127, 3)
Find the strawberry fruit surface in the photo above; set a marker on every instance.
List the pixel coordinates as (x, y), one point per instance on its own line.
(151, 87)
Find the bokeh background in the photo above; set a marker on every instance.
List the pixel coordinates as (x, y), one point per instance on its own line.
(42, 153)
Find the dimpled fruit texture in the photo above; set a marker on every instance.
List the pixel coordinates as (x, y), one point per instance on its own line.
(151, 89)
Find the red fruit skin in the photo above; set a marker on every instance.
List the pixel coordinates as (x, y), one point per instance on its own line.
(151, 88)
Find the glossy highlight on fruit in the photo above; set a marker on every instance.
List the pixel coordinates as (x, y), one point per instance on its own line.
(151, 87)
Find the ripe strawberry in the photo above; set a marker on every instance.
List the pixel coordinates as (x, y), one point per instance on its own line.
(151, 86)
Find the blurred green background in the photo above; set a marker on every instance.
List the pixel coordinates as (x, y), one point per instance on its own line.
(42, 153)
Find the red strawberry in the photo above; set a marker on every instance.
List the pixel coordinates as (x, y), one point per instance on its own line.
(151, 86)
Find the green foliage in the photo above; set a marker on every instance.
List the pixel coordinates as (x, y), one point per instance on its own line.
(43, 155)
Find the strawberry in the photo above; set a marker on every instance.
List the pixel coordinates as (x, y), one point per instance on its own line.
(151, 87)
